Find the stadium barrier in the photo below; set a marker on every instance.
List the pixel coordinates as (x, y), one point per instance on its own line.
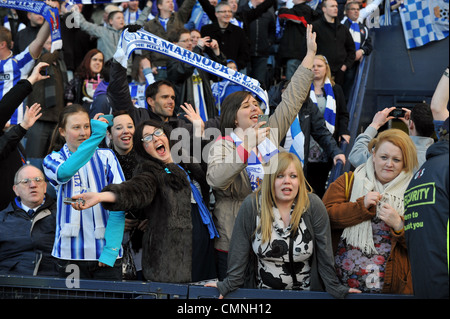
(23, 287)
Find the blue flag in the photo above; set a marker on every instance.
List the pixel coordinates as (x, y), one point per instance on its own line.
(424, 21)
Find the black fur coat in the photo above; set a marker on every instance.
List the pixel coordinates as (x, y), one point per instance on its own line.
(163, 192)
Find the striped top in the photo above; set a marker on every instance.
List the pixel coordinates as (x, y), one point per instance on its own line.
(12, 70)
(88, 236)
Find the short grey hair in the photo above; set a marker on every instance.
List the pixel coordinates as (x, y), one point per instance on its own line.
(16, 176)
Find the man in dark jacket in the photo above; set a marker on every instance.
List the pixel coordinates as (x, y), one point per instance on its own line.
(233, 41)
(363, 43)
(27, 227)
(261, 33)
(426, 222)
(334, 41)
(293, 42)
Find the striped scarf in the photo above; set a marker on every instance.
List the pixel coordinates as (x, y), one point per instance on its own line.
(355, 31)
(255, 168)
(330, 108)
(298, 140)
(199, 96)
(87, 178)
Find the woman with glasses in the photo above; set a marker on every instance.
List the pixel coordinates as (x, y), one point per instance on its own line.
(178, 242)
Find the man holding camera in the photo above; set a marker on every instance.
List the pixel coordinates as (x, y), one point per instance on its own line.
(418, 120)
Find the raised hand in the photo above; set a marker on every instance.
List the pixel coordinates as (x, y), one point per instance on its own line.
(32, 114)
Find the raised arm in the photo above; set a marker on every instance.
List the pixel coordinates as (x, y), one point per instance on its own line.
(11, 100)
(37, 44)
(296, 92)
(439, 101)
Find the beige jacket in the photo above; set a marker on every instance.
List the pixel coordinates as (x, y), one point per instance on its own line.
(226, 172)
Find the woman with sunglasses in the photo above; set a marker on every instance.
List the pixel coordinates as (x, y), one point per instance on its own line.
(178, 242)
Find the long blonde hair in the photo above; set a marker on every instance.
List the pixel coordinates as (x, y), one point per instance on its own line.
(267, 195)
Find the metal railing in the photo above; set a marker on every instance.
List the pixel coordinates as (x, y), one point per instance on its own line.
(23, 287)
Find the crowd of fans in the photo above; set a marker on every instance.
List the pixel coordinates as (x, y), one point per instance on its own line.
(94, 176)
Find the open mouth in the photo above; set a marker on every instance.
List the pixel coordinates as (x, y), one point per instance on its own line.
(254, 117)
(286, 190)
(126, 139)
(160, 149)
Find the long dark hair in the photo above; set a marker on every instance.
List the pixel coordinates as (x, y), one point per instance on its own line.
(84, 69)
(138, 135)
(57, 141)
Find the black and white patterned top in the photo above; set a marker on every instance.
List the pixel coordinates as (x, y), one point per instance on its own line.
(274, 270)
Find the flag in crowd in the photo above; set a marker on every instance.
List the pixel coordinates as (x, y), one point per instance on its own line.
(424, 21)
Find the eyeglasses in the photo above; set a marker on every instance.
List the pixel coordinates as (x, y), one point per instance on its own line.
(225, 11)
(27, 181)
(148, 138)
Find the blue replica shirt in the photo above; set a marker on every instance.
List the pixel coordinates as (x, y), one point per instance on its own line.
(12, 70)
(94, 233)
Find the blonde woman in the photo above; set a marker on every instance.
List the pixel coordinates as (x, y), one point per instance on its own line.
(367, 223)
(280, 222)
(330, 100)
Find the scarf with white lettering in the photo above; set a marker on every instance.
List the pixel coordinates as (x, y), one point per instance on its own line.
(255, 169)
(143, 40)
(361, 235)
(51, 15)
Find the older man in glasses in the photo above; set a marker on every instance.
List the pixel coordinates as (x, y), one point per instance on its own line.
(27, 227)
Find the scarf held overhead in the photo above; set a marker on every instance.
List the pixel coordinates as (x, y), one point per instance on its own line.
(143, 40)
(51, 15)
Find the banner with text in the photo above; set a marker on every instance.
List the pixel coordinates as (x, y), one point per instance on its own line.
(51, 15)
(143, 40)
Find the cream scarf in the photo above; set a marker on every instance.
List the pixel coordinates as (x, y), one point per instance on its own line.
(361, 235)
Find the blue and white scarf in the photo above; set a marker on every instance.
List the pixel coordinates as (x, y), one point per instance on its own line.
(298, 140)
(199, 96)
(85, 179)
(330, 108)
(51, 15)
(143, 40)
(355, 31)
(202, 209)
(255, 169)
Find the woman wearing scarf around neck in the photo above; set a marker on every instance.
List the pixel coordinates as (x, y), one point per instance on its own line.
(281, 239)
(238, 159)
(366, 217)
(91, 239)
(330, 99)
(177, 245)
